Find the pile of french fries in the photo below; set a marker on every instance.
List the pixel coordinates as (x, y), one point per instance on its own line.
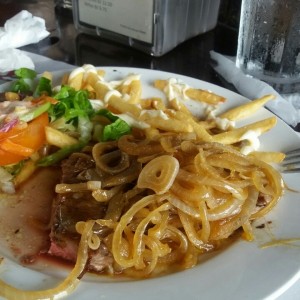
(156, 115)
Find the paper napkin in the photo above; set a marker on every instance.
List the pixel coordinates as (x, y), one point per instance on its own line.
(22, 29)
(283, 106)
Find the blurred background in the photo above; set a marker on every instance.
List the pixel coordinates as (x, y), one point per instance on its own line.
(65, 43)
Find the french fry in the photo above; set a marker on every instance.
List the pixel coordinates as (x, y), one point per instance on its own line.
(195, 94)
(65, 79)
(58, 138)
(47, 75)
(92, 78)
(134, 90)
(124, 97)
(152, 103)
(172, 125)
(122, 106)
(101, 73)
(177, 105)
(88, 87)
(204, 96)
(209, 124)
(151, 133)
(101, 90)
(160, 84)
(75, 80)
(200, 131)
(235, 135)
(246, 109)
(268, 157)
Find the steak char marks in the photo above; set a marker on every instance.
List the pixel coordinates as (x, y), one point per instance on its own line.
(70, 208)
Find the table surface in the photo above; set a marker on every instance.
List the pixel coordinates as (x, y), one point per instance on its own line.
(66, 44)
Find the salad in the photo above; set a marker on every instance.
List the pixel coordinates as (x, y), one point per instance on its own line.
(40, 124)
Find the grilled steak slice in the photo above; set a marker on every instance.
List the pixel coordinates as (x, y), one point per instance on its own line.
(69, 208)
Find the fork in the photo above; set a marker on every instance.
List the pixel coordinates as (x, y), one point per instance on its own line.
(291, 163)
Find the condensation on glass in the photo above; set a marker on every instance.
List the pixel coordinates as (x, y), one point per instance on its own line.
(268, 43)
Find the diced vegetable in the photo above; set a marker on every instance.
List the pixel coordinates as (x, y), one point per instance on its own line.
(107, 114)
(20, 86)
(7, 126)
(72, 104)
(35, 112)
(43, 88)
(15, 169)
(25, 73)
(59, 155)
(75, 108)
(31, 137)
(7, 158)
(27, 170)
(58, 138)
(69, 110)
(116, 129)
(9, 146)
(24, 82)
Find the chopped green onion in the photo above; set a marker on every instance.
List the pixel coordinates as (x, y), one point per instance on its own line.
(20, 86)
(59, 155)
(25, 73)
(24, 81)
(43, 87)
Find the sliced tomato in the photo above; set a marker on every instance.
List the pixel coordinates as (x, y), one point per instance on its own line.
(27, 141)
(7, 158)
(33, 136)
(12, 132)
(9, 146)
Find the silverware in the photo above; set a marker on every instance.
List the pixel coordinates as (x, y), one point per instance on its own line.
(291, 163)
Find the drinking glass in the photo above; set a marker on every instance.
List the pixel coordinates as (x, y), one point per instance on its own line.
(269, 42)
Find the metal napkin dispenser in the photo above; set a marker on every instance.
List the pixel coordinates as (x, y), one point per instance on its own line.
(152, 26)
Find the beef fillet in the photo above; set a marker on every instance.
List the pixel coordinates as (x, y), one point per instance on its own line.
(70, 208)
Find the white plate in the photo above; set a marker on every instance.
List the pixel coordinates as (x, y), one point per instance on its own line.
(242, 271)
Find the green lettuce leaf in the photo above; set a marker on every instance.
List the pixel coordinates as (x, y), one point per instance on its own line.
(25, 73)
(24, 82)
(116, 129)
(43, 87)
